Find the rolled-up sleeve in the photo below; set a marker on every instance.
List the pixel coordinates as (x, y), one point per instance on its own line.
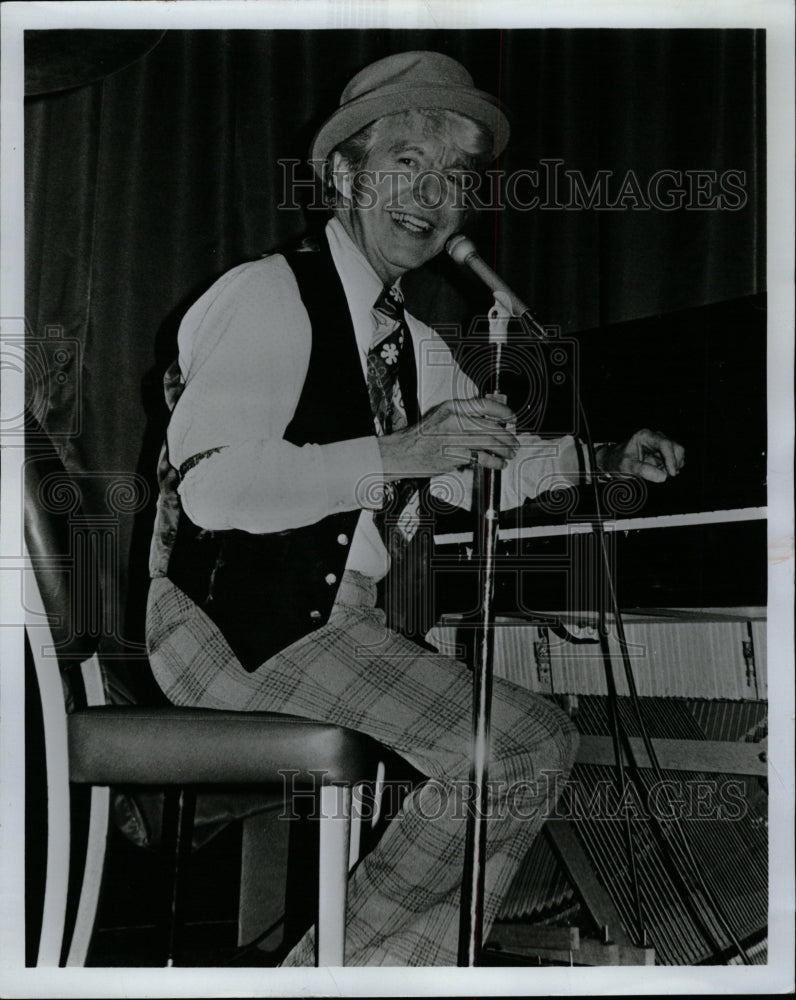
(540, 465)
(244, 350)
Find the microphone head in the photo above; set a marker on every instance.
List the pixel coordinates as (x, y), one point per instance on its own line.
(460, 248)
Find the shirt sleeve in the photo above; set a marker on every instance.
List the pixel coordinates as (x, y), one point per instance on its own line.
(541, 464)
(244, 349)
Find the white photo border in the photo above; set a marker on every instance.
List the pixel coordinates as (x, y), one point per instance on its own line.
(777, 17)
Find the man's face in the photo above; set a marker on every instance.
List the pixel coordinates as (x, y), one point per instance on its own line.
(406, 202)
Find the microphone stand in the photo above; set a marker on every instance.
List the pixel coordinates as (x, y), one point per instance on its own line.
(471, 915)
(487, 503)
(472, 894)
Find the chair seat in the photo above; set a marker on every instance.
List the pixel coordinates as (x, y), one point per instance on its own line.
(134, 745)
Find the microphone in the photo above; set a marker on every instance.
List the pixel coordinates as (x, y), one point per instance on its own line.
(464, 252)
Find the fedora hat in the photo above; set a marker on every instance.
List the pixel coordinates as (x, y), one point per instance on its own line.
(402, 82)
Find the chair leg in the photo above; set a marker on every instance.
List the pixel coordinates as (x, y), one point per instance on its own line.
(358, 816)
(57, 878)
(178, 819)
(56, 764)
(378, 793)
(358, 800)
(335, 829)
(96, 844)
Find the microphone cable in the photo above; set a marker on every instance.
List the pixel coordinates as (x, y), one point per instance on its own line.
(464, 252)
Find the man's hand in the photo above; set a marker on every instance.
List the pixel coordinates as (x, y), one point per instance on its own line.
(648, 454)
(451, 436)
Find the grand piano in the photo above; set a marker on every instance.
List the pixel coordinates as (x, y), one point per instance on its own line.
(689, 560)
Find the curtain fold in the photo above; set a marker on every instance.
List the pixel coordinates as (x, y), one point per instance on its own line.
(145, 186)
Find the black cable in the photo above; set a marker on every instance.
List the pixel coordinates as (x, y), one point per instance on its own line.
(599, 532)
(630, 845)
(687, 890)
(696, 874)
(536, 330)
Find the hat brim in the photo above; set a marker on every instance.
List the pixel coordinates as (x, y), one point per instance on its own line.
(349, 119)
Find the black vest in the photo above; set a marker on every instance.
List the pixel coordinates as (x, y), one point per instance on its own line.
(267, 591)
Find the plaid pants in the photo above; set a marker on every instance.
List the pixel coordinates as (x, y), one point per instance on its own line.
(403, 901)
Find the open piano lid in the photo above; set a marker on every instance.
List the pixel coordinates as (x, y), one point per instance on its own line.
(696, 541)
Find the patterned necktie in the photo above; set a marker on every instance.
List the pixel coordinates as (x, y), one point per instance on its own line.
(397, 521)
(383, 361)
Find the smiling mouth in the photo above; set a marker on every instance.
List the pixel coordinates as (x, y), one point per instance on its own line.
(411, 223)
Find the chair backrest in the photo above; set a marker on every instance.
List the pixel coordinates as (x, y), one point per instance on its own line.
(67, 619)
(75, 527)
(60, 575)
(63, 559)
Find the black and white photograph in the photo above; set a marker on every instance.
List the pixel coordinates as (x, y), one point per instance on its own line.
(397, 455)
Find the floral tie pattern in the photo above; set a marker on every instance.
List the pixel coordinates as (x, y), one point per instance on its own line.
(397, 520)
(383, 361)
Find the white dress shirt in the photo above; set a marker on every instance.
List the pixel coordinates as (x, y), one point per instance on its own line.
(244, 349)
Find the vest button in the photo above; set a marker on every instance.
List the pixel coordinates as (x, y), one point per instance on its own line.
(330, 578)
(342, 539)
(315, 615)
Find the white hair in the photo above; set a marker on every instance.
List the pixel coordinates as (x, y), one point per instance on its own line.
(471, 140)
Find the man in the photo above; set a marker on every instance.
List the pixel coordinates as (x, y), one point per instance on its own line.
(307, 395)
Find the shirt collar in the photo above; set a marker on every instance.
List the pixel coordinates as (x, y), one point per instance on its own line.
(361, 284)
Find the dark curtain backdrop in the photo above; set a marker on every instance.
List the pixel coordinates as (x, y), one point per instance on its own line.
(146, 182)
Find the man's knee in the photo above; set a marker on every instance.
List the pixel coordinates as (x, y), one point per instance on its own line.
(544, 739)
